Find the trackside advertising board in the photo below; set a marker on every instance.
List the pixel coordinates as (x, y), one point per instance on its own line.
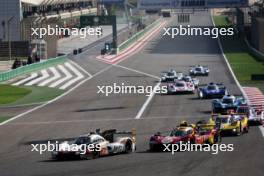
(177, 4)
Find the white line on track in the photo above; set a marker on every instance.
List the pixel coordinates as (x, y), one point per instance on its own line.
(32, 76)
(57, 98)
(44, 76)
(145, 105)
(78, 66)
(68, 76)
(79, 76)
(137, 71)
(230, 69)
(52, 78)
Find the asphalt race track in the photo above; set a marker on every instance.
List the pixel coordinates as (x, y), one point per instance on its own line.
(84, 110)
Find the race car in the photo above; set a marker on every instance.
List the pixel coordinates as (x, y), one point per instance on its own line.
(94, 145)
(199, 70)
(235, 124)
(195, 81)
(184, 133)
(172, 75)
(254, 114)
(207, 133)
(212, 90)
(180, 87)
(228, 102)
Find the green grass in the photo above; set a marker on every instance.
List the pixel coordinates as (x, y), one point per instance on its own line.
(4, 118)
(39, 95)
(12, 95)
(9, 94)
(241, 61)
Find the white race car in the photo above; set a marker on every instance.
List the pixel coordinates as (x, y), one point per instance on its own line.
(199, 70)
(171, 75)
(195, 81)
(94, 145)
(180, 87)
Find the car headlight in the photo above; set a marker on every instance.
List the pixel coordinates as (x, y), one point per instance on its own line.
(234, 130)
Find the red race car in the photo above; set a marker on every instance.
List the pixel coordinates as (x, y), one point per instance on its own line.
(183, 133)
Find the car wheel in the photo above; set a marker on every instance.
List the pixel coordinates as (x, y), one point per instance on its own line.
(128, 147)
(217, 138)
(96, 155)
(152, 148)
(246, 129)
(200, 94)
(84, 156)
(238, 130)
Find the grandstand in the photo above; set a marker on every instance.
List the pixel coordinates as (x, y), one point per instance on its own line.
(17, 17)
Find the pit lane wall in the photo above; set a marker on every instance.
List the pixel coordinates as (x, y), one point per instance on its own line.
(5, 76)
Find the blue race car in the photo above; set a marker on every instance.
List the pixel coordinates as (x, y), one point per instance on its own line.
(228, 102)
(212, 90)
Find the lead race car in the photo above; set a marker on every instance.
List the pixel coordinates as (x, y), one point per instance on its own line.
(180, 87)
(199, 70)
(228, 102)
(212, 90)
(94, 145)
(172, 75)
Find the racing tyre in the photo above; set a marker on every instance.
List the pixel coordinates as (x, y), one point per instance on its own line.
(238, 130)
(128, 147)
(96, 155)
(84, 156)
(217, 138)
(200, 94)
(246, 129)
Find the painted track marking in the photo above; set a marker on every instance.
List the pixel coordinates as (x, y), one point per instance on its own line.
(32, 76)
(53, 78)
(44, 76)
(145, 105)
(64, 71)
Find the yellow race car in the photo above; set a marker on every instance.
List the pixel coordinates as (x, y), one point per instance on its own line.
(231, 124)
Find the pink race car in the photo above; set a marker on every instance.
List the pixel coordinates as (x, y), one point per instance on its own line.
(180, 87)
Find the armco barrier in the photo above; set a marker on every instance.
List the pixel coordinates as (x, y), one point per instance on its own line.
(135, 37)
(254, 52)
(4, 76)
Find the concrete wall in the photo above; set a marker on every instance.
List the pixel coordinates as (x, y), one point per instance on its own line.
(257, 34)
(10, 8)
